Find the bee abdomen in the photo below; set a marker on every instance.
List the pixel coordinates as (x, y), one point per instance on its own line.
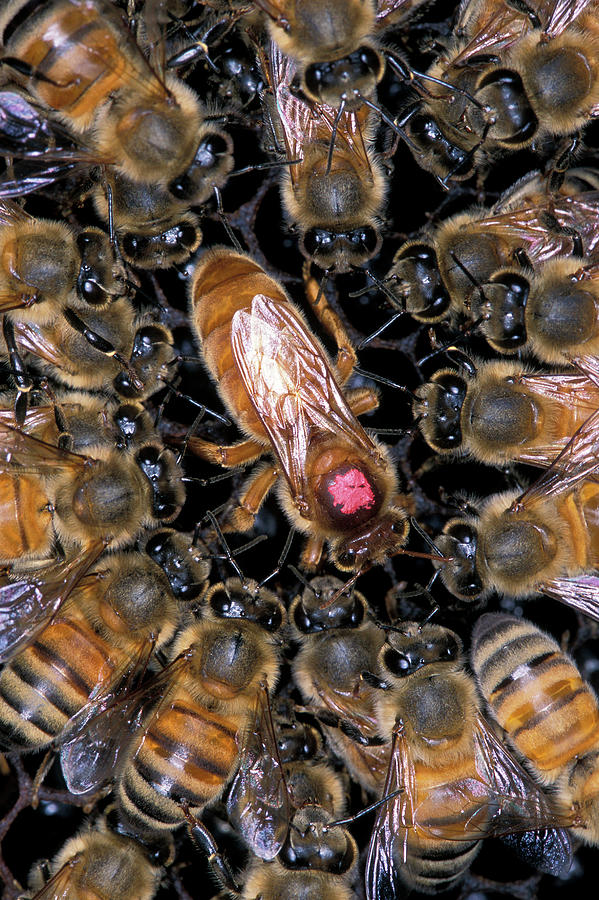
(40, 691)
(535, 692)
(434, 865)
(185, 754)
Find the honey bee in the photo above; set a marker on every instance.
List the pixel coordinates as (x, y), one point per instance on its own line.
(87, 501)
(334, 190)
(317, 858)
(154, 230)
(94, 859)
(458, 783)
(78, 59)
(437, 275)
(334, 46)
(111, 350)
(514, 76)
(551, 313)
(98, 640)
(339, 642)
(275, 379)
(504, 412)
(47, 267)
(521, 672)
(542, 540)
(210, 707)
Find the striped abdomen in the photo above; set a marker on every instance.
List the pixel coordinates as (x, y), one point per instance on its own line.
(76, 48)
(185, 752)
(438, 851)
(535, 692)
(25, 521)
(51, 680)
(222, 285)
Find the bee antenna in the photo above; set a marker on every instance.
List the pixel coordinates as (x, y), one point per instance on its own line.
(392, 123)
(340, 112)
(221, 214)
(281, 559)
(425, 537)
(412, 74)
(172, 387)
(380, 330)
(210, 515)
(302, 578)
(385, 381)
(449, 345)
(364, 812)
(380, 285)
(343, 589)
(259, 167)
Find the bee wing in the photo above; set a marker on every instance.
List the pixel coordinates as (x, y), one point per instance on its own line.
(59, 886)
(388, 843)
(27, 606)
(291, 385)
(524, 817)
(490, 31)
(90, 755)
(581, 593)
(258, 802)
(389, 12)
(12, 214)
(349, 136)
(528, 229)
(579, 460)
(32, 339)
(561, 14)
(297, 117)
(21, 453)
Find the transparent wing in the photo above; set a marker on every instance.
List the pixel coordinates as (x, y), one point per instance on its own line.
(22, 453)
(28, 605)
(502, 800)
(258, 802)
(289, 381)
(389, 840)
(578, 461)
(90, 756)
(581, 593)
(59, 886)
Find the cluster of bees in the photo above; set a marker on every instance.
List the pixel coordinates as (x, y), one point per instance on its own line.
(195, 197)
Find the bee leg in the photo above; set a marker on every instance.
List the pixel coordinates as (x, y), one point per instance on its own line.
(348, 728)
(202, 838)
(362, 400)
(18, 370)
(252, 498)
(312, 553)
(328, 318)
(102, 345)
(230, 455)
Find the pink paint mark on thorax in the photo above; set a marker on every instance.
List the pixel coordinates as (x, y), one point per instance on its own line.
(351, 491)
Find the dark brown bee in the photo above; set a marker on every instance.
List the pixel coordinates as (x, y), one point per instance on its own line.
(94, 859)
(542, 540)
(334, 191)
(512, 76)
(337, 483)
(504, 412)
(339, 642)
(334, 44)
(438, 275)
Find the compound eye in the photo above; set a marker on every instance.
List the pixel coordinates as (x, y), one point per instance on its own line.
(134, 246)
(90, 291)
(210, 150)
(316, 241)
(365, 238)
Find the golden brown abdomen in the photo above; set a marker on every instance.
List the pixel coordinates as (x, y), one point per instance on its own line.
(223, 283)
(185, 752)
(25, 521)
(51, 680)
(535, 692)
(72, 45)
